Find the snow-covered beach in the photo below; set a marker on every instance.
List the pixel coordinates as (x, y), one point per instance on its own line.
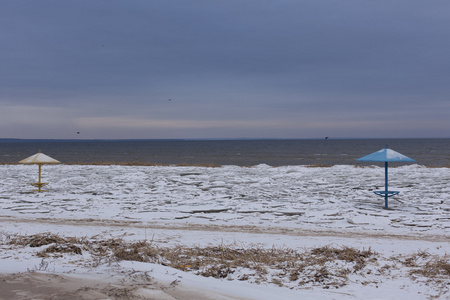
(302, 208)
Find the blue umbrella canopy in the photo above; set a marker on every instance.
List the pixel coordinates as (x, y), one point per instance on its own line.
(386, 155)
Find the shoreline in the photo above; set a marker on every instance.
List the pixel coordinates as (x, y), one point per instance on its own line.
(213, 165)
(259, 233)
(60, 274)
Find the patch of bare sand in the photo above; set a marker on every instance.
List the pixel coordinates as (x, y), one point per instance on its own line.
(355, 233)
(42, 286)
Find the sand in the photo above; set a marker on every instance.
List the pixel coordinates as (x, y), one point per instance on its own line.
(36, 285)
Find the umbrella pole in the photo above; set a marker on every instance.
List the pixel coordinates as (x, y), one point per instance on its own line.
(386, 185)
(39, 182)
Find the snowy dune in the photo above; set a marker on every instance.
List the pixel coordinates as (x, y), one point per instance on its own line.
(298, 207)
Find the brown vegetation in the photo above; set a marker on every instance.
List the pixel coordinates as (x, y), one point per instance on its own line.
(323, 266)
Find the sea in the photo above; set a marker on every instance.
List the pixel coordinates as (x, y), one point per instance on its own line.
(273, 152)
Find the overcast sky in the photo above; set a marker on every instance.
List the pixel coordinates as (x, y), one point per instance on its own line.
(224, 69)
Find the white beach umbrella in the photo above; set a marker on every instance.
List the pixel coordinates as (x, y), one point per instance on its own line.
(39, 159)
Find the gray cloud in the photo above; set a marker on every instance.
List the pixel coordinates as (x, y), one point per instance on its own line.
(288, 69)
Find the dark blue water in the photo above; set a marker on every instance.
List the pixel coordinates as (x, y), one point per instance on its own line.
(429, 152)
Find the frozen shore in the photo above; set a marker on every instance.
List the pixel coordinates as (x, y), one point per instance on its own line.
(294, 207)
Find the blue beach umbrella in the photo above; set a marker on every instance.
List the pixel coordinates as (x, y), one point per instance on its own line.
(386, 155)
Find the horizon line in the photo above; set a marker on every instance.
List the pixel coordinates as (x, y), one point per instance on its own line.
(213, 139)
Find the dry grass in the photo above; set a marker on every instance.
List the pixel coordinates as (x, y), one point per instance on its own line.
(57, 244)
(425, 267)
(424, 264)
(436, 267)
(326, 267)
(350, 255)
(253, 263)
(39, 240)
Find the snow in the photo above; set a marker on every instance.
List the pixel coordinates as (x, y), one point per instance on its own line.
(299, 207)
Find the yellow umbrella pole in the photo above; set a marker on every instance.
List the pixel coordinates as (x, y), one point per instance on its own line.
(39, 159)
(39, 182)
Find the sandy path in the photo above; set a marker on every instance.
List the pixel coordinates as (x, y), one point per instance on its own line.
(36, 286)
(352, 234)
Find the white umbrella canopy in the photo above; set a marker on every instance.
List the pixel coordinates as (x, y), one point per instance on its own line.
(39, 159)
